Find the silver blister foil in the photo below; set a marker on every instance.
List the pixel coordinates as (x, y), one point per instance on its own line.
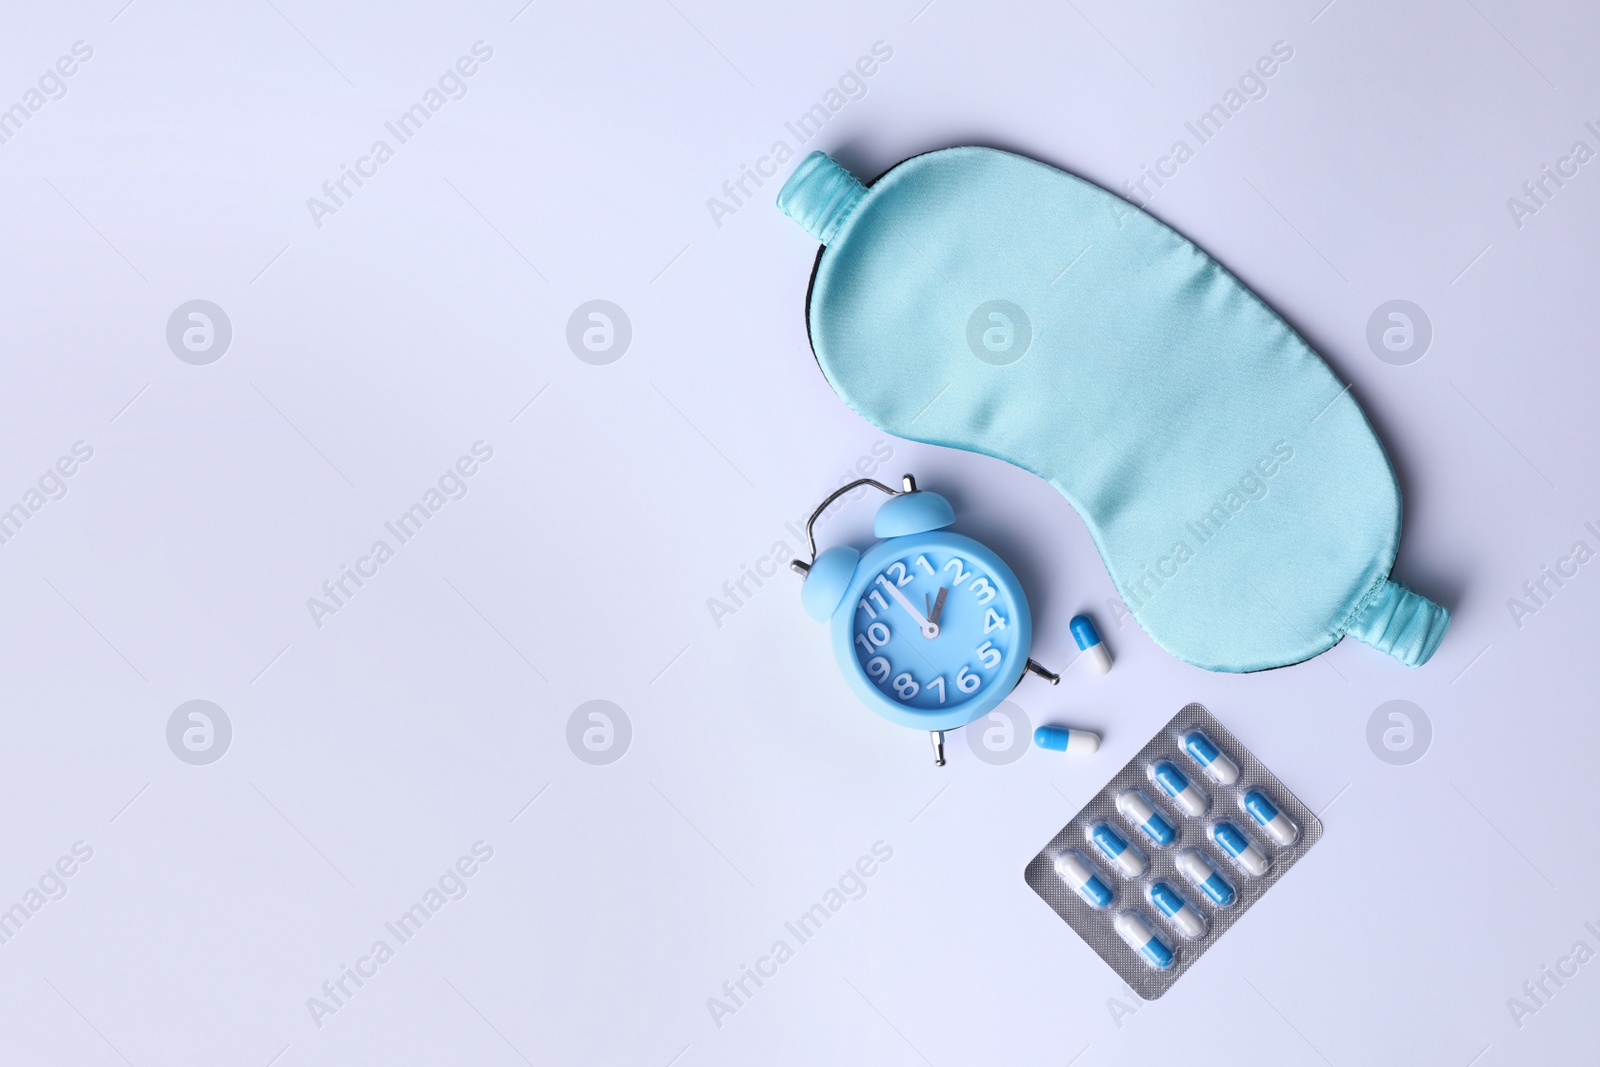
(1097, 925)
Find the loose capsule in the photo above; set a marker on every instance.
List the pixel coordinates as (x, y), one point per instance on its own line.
(1076, 872)
(1275, 823)
(1126, 858)
(1244, 852)
(1065, 739)
(1176, 785)
(1184, 918)
(1138, 810)
(1135, 930)
(1198, 870)
(1218, 767)
(1088, 638)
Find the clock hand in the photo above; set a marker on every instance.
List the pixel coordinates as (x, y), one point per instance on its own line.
(937, 610)
(929, 630)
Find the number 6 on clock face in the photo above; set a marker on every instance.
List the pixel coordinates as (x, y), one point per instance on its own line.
(934, 630)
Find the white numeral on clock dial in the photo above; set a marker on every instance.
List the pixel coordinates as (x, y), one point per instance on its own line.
(878, 668)
(939, 681)
(905, 687)
(991, 621)
(922, 561)
(968, 682)
(876, 637)
(983, 590)
(904, 579)
(962, 574)
(989, 655)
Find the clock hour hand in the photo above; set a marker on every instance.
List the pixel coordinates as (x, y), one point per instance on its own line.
(937, 610)
(929, 630)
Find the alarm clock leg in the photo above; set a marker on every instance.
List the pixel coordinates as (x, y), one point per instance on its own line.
(938, 747)
(1049, 676)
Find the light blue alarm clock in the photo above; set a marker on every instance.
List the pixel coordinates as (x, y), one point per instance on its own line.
(930, 628)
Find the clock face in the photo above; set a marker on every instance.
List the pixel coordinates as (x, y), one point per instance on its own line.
(938, 628)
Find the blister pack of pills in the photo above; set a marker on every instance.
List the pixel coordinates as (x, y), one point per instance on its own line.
(1177, 846)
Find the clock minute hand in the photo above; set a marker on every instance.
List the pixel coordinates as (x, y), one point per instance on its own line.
(929, 630)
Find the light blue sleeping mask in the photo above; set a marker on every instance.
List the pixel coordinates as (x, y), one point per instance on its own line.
(983, 301)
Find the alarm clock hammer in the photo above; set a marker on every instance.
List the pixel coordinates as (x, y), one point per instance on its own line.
(939, 666)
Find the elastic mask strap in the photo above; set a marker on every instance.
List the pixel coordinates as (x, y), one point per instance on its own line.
(1404, 624)
(820, 195)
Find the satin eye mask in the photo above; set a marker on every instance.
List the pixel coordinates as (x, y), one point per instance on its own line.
(984, 301)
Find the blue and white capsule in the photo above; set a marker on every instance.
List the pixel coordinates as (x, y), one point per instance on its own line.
(1183, 792)
(1218, 767)
(1137, 809)
(1195, 867)
(1135, 930)
(1067, 739)
(1074, 870)
(1274, 823)
(1094, 650)
(1125, 857)
(1179, 912)
(1232, 840)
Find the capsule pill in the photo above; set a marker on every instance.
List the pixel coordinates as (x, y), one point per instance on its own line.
(1179, 912)
(1137, 809)
(1076, 872)
(1088, 639)
(1274, 823)
(1176, 785)
(1244, 852)
(1198, 870)
(1135, 930)
(1218, 767)
(1126, 858)
(1066, 739)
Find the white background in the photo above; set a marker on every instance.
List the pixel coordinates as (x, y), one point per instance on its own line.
(372, 351)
